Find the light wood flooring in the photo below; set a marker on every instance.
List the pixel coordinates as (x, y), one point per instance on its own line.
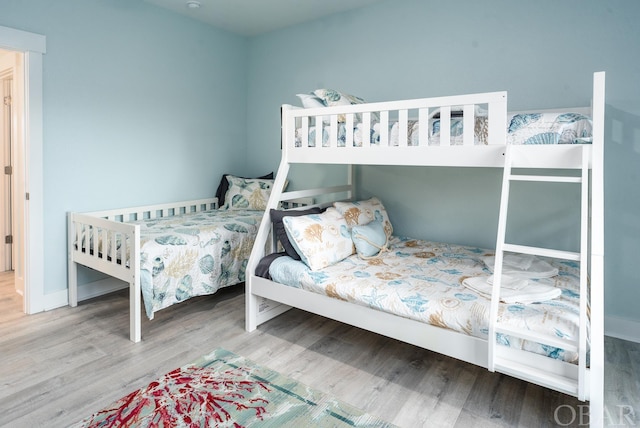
(59, 366)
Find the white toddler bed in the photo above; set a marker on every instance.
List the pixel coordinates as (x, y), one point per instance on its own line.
(565, 354)
(169, 253)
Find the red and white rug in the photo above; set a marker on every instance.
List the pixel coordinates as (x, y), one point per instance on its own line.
(225, 390)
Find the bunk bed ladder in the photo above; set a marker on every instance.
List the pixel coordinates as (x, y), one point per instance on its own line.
(573, 382)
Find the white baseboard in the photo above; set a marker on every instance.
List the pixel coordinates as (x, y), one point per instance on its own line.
(85, 291)
(622, 328)
(55, 300)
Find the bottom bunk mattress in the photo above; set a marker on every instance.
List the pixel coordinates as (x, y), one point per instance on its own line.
(443, 285)
(194, 254)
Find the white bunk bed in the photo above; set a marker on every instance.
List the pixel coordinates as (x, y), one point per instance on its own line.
(266, 299)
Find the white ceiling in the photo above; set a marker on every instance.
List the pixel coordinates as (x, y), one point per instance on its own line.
(253, 17)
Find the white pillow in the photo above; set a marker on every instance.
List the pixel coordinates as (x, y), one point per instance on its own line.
(311, 101)
(320, 239)
(360, 213)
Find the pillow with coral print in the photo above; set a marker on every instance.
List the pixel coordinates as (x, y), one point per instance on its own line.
(360, 213)
(247, 193)
(320, 239)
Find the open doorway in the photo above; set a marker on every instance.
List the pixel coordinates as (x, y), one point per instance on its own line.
(27, 178)
(11, 141)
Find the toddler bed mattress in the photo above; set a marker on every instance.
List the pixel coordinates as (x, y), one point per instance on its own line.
(425, 281)
(525, 128)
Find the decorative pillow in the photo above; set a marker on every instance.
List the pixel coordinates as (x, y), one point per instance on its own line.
(364, 212)
(224, 186)
(332, 98)
(320, 239)
(247, 193)
(369, 239)
(281, 234)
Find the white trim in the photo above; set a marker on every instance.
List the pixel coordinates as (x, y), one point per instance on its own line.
(85, 291)
(622, 328)
(33, 46)
(19, 40)
(34, 184)
(55, 300)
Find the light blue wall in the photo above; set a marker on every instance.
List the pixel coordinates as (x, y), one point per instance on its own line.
(543, 53)
(189, 102)
(141, 106)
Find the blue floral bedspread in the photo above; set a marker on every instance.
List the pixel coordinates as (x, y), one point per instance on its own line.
(422, 281)
(194, 254)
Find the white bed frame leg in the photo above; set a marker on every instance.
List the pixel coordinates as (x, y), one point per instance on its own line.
(251, 311)
(135, 292)
(73, 267)
(73, 283)
(135, 313)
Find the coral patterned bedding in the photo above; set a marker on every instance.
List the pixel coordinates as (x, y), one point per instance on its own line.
(194, 254)
(423, 281)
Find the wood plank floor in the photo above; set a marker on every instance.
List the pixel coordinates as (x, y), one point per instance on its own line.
(59, 366)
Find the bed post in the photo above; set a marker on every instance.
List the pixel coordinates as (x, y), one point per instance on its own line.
(73, 267)
(596, 387)
(135, 291)
(258, 250)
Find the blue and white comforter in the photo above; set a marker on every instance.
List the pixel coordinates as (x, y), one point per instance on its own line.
(422, 281)
(194, 254)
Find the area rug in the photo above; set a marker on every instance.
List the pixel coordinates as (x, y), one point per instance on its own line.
(226, 390)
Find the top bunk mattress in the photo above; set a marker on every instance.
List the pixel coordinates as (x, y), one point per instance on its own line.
(432, 282)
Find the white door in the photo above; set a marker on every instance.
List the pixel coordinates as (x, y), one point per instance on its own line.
(6, 172)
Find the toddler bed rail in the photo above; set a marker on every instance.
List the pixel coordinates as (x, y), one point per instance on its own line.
(106, 242)
(402, 133)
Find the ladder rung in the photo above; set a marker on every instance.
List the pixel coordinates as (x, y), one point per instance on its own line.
(547, 252)
(546, 178)
(545, 339)
(531, 374)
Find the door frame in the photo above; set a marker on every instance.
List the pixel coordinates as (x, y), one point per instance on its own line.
(33, 46)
